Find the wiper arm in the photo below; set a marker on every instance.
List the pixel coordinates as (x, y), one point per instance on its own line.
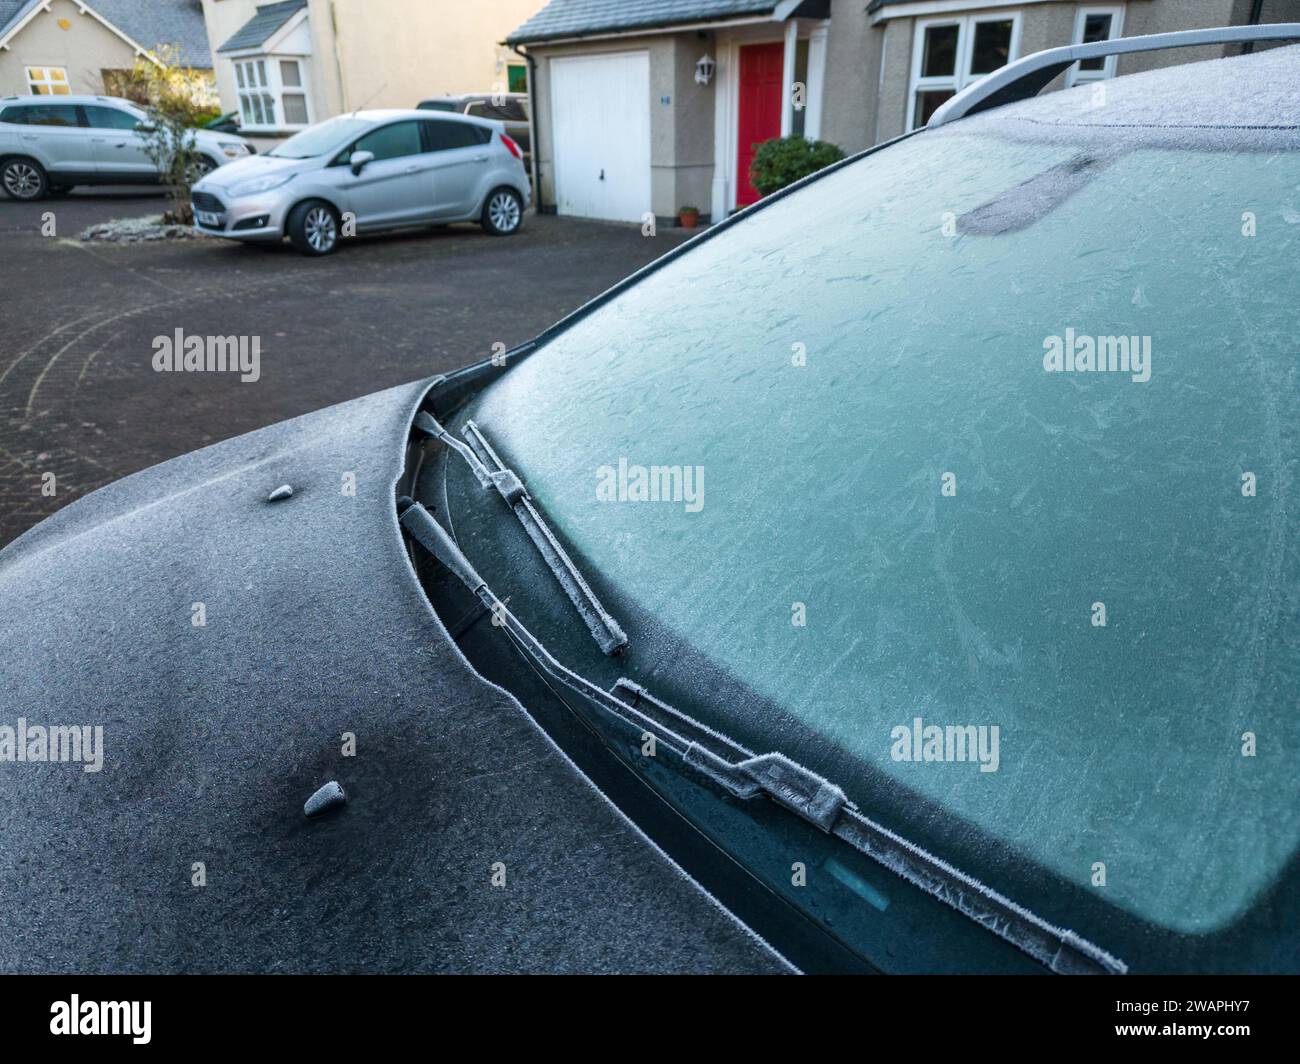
(740, 772)
(491, 472)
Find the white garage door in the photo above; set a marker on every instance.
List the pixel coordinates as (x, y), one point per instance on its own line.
(600, 114)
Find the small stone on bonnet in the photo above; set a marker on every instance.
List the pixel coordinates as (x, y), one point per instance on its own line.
(325, 799)
(284, 491)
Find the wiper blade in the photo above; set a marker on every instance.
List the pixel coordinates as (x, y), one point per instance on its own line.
(743, 774)
(491, 472)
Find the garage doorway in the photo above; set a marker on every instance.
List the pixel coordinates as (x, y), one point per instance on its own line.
(600, 108)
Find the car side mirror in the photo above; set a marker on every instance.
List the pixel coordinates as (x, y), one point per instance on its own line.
(358, 160)
(144, 127)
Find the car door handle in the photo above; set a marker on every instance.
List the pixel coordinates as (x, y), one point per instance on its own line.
(480, 158)
(412, 169)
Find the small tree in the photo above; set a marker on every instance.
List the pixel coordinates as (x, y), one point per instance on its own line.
(180, 98)
(784, 160)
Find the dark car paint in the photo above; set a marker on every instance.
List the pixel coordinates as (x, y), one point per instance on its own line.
(215, 736)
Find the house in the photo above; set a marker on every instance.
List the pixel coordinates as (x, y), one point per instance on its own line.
(62, 47)
(651, 105)
(287, 64)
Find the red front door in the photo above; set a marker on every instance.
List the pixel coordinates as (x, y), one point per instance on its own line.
(760, 109)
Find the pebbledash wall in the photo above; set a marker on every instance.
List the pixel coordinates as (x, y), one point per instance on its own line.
(681, 133)
(866, 76)
(886, 48)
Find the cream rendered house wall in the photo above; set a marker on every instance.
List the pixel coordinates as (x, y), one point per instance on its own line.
(393, 53)
(224, 18)
(386, 53)
(85, 48)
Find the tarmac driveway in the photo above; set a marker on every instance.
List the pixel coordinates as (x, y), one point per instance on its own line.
(79, 397)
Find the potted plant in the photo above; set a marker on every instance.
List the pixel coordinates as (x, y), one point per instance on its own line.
(689, 217)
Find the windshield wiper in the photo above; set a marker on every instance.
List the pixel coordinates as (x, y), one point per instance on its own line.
(491, 472)
(745, 775)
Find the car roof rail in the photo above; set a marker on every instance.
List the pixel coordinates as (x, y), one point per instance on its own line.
(1026, 77)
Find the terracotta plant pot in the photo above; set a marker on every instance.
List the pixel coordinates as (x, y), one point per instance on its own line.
(689, 219)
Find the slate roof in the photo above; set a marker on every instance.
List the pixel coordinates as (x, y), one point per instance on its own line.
(258, 29)
(12, 10)
(149, 23)
(577, 18)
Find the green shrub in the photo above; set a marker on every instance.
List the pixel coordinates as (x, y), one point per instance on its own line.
(784, 160)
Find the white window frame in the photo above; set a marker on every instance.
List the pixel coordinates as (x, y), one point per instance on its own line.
(275, 89)
(1116, 12)
(47, 82)
(961, 76)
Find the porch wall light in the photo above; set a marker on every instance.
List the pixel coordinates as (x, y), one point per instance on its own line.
(704, 69)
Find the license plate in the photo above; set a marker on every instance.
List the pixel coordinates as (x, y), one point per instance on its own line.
(208, 218)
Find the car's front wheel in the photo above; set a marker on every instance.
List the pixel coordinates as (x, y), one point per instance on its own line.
(24, 179)
(503, 213)
(314, 228)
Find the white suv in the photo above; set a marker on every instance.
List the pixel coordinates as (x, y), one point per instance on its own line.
(51, 143)
(369, 171)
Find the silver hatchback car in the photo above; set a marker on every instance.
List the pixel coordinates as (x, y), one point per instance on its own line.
(369, 171)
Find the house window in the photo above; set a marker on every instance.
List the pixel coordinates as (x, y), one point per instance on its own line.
(48, 81)
(1093, 24)
(950, 53)
(272, 93)
(293, 97)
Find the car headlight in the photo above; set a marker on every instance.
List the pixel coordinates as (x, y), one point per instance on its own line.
(261, 184)
(233, 149)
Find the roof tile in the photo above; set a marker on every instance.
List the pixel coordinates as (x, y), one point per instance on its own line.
(575, 18)
(258, 29)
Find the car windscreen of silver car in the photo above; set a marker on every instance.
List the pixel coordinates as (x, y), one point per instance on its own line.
(977, 457)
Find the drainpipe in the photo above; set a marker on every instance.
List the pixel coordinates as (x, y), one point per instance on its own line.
(533, 125)
(1256, 13)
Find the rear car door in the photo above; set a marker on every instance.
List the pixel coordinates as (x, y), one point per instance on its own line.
(395, 187)
(52, 134)
(460, 153)
(119, 150)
